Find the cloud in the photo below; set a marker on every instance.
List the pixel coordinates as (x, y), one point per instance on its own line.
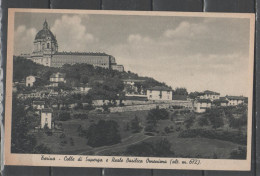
(132, 38)
(23, 37)
(73, 35)
(186, 30)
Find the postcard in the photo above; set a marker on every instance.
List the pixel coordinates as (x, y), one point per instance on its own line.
(125, 89)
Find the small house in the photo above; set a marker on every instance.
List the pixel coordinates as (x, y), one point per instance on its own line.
(30, 80)
(38, 105)
(159, 93)
(57, 78)
(200, 105)
(207, 94)
(235, 100)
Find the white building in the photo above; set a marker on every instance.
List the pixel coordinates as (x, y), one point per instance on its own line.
(200, 105)
(235, 100)
(119, 68)
(30, 80)
(38, 105)
(57, 78)
(159, 93)
(207, 94)
(46, 118)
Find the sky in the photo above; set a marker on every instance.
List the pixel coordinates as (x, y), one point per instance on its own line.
(197, 53)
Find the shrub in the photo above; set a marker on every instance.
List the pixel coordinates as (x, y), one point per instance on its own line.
(62, 136)
(235, 137)
(167, 130)
(239, 153)
(103, 133)
(158, 148)
(64, 116)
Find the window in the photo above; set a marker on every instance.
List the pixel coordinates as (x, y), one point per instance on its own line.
(151, 91)
(151, 96)
(48, 45)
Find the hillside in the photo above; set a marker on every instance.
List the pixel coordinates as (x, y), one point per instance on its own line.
(105, 83)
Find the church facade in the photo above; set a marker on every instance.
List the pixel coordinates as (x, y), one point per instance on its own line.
(45, 52)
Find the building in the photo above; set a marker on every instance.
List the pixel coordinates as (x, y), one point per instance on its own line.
(82, 88)
(235, 100)
(133, 86)
(200, 105)
(57, 78)
(46, 118)
(39, 105)
(207, 94)
(45, 52)
(159, 93)
(30, 80)
(222, 101)
(119, 68)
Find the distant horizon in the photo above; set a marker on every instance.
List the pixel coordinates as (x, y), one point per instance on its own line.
(190, 56)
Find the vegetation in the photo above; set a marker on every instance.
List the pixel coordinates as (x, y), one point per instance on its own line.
(64, 116)
(235, 137)
(215, 117)
(22, 141)
(135, 125)
(239, 153)
(161, 147)
(103, 133)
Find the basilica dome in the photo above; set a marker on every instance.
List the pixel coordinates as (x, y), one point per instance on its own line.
(45, 33)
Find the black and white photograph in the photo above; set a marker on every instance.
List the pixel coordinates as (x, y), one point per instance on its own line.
(136, 88)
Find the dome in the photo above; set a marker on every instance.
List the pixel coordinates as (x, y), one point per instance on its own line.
(45, 32)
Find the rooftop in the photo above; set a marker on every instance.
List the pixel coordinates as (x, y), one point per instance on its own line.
(133, 80)
(221, 100)
(235, 97)
(208, 92)
(58, 75)
(160, 88)
(47, 110)
(203, 101)
(82, 53)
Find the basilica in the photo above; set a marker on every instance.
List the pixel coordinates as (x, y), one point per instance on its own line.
(45, 52)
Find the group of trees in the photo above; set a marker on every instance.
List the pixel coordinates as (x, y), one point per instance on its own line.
(106, 84)
(103, 133)
(22, 141)
(152, 118)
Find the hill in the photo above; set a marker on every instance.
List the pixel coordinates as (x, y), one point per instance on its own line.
(105, 83)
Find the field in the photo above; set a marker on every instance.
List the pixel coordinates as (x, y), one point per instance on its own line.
(182, 147)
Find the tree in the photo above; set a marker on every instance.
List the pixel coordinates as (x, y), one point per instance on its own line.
(194, 95)
(103, 133)
(135, 125)
(189, 121)
(203, 121)
(215, 117)
(21, 141)
(180, 91)
(64, 116)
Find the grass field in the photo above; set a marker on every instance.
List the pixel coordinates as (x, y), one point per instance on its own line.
(182, 147)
